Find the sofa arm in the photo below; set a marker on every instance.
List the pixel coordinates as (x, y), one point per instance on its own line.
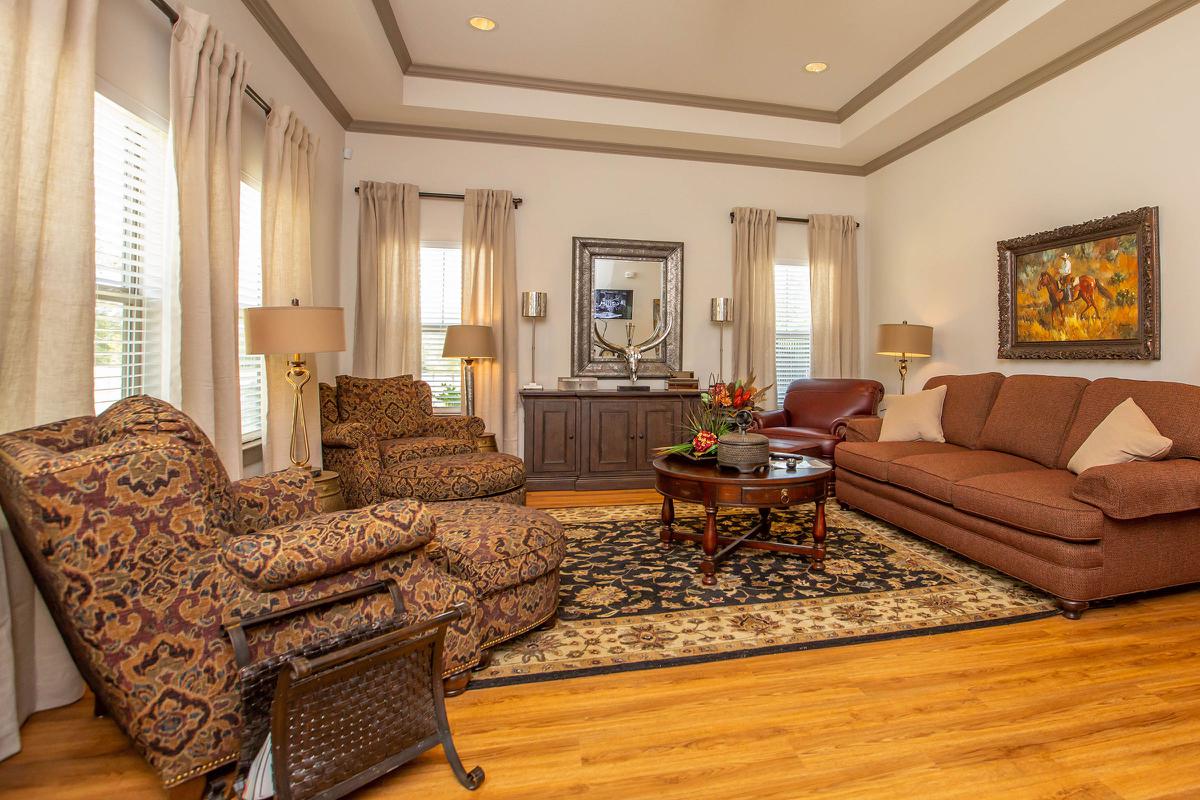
(1141, 488)
(327, 544)
(770, 419)
(347, 434)
(862, 429)
(278, 498)
(452, 427)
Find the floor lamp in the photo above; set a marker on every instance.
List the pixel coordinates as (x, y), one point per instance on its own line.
(294, 331)
(533, 307)
(721, 313)
(469, 342)
(905, 341)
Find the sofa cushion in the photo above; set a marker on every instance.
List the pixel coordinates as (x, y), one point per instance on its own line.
(914, 417)
(397, 451)
(388, 406)
(1037, 500)
(872, 458)
(496, 547)
(969, 398)
(1126, 434)
(1031, 415)
(933, 474)
(1170, 406)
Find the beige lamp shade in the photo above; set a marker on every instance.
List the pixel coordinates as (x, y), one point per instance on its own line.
(275, 330)
(904, 340)
(469, 341)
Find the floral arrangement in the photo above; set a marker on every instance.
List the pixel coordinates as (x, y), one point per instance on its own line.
(723, 407)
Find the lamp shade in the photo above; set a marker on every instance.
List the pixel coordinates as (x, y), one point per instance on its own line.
(721, 309)
(533, 304)
(469, 341)
(904, 340)
(276, 330)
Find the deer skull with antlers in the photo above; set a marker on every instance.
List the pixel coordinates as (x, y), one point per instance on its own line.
(632, 353)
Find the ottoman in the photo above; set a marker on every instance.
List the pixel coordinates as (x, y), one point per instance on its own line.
(508, 555)
(465, 476)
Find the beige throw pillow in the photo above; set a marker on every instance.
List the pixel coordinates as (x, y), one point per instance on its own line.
(913, 417)
(1126, 434)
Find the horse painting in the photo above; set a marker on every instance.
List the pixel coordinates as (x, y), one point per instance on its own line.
(1084, 289)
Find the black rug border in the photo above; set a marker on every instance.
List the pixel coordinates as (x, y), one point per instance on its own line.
(587, 672)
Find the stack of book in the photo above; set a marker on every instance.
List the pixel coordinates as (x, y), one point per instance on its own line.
(682, 381)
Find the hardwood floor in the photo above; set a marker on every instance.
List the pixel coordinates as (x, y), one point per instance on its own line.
(1105, 707)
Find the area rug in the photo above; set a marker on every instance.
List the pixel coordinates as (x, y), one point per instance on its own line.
(627, 603)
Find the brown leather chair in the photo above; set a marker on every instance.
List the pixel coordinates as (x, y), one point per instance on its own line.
(815, 412)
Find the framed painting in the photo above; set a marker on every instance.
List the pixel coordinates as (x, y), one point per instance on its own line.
(1083, 291)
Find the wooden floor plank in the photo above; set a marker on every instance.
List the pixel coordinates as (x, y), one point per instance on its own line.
(1106, 708)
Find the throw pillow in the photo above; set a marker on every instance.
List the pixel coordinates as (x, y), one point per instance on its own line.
(1126, 434)
(913, 417)
(388, 406)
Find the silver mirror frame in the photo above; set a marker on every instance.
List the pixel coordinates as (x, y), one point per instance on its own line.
(670, 254)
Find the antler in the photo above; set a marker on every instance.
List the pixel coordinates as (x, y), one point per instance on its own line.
(616, 348)
(655, 339)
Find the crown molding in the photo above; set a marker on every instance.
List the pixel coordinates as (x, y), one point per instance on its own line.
(391, 28)
(597, 146)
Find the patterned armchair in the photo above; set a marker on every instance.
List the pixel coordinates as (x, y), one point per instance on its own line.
(144, 550)
(371, 425)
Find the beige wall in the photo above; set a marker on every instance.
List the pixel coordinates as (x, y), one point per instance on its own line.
(1115, 134)
(591, 194)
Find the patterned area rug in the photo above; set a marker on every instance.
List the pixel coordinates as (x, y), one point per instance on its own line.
(629, 604)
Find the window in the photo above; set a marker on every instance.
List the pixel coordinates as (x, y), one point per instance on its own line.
(793, 326)
(441, 306)
(131, 225)
(251, 374)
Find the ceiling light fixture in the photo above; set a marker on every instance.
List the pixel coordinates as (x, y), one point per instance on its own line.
(481, 23)
(816, 66)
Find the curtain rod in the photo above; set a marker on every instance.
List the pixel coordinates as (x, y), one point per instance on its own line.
(801, 220)
(447, 196)
(173, 16)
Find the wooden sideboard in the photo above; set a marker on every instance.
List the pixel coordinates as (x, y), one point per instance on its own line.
(599, 439)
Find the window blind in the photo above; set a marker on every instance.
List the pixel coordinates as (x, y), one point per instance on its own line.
(252, 380)
(793, 326)
(441, 306)
(131, 219)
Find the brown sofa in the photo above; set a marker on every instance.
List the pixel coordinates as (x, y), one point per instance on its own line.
(998, 491)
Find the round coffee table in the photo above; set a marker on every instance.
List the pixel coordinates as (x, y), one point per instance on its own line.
(706, 483)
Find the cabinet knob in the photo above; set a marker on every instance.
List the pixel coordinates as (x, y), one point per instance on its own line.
(641, 436)
(570, 436)
(631, 436)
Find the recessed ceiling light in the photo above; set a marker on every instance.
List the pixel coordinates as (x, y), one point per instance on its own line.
(482, 23)
(816, 66)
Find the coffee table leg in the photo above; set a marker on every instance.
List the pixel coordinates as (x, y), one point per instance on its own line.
(668, 517)
(708, 566)
(764, 522)
(818, 562)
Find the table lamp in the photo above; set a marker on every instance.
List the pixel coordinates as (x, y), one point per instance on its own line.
(293, 331)
(905, 341)
(721, 313)
(469, 342)
(533, 307)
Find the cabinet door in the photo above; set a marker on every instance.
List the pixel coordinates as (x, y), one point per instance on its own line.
(554, 448)
(660, 425)
(612, 435)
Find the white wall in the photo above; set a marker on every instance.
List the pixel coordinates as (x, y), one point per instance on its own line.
(570, 194)
(1112, 135)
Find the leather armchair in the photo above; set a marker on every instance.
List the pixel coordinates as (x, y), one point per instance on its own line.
(817, 411)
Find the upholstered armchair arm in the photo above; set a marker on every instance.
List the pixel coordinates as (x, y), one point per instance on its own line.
(863, 429)
(278, 498)
(347, 434)
(770, 419)
(351, 450)
(452, 427)
(1141, 488)
(326, 545)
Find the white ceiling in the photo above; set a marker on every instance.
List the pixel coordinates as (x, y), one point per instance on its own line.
(470, 84)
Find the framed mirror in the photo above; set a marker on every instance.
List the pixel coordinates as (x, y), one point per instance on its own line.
(630, 290)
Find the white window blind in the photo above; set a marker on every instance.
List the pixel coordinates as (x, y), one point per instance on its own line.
(131, 222)
(441, 306)
(250, 293)
(793, 326)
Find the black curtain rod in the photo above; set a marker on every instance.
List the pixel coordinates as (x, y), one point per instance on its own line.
(173, 16)
(447, 196)
(801, 220)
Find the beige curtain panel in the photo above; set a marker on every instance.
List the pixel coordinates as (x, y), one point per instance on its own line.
(208, 76)
(289, 161)
(48, 282)
(387, 316)
(833, 285)
(754, 297)
(489, 262)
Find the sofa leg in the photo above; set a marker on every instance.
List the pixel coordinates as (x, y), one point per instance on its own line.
(844, 506)
(1073, 609)
(98, 708)
(192, 789)
(485, 661)
(456, 684)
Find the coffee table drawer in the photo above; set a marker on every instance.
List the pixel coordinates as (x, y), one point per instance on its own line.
(684, 490)
(771, 496)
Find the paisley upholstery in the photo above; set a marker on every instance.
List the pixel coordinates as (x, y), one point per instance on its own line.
(397, 451)
(460, 477)
(388, 406)
(124, 522)
(508, 614)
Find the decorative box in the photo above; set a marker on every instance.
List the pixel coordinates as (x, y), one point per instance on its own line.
(578, 384)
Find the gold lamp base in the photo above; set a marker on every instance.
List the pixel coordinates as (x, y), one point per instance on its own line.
(298, 375)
